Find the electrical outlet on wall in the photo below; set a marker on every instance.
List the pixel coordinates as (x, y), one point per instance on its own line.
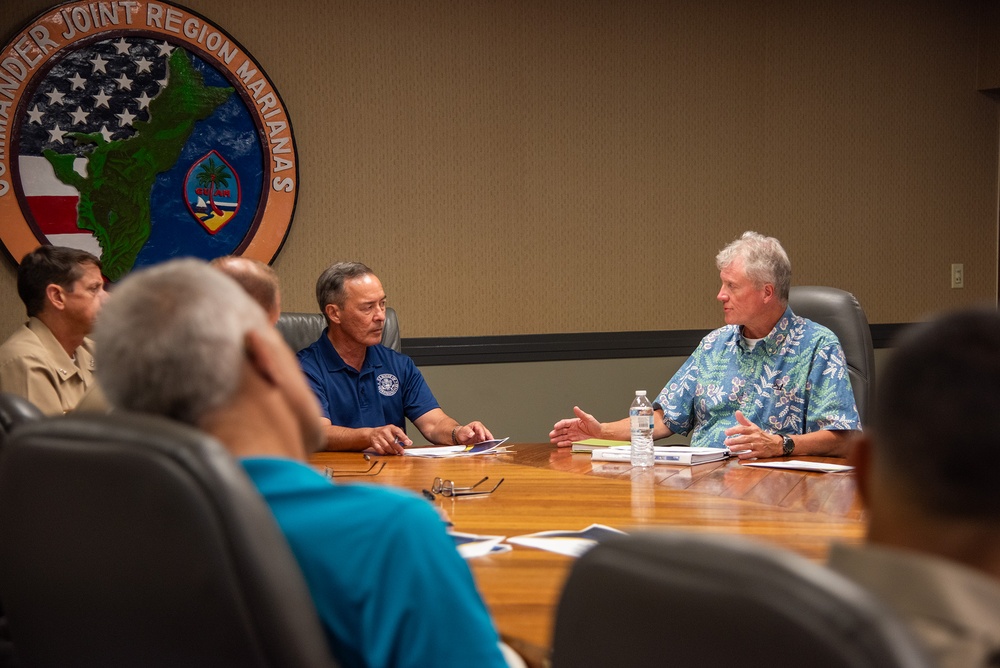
(958, 276)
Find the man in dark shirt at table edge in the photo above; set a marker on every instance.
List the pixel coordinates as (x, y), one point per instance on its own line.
(366, 391)
(931, 496)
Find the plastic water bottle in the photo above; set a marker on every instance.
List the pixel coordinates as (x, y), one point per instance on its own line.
(640, 416)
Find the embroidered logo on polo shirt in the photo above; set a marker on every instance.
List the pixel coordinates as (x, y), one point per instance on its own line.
(387, 384)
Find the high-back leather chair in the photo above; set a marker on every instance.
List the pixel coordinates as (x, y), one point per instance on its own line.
(840, 312)
(130, 540)
(15, 410)
(685, 600)
(302, 329)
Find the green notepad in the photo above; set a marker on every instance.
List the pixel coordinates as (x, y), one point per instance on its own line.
(588, 445)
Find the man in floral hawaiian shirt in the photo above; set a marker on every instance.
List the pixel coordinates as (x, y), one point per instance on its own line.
(768, 384)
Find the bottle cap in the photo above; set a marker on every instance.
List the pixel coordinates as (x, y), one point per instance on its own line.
(640, 393)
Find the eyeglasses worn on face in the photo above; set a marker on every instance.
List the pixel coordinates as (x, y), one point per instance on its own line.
(448, 488)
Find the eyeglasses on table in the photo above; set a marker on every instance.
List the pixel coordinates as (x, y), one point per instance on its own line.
(329, 472)
(448, 488)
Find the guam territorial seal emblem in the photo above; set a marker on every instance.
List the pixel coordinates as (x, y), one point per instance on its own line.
(140, 131)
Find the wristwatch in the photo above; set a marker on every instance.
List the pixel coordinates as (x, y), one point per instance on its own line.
(787, 445)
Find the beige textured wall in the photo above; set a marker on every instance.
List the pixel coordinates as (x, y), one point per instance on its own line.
(532, 166)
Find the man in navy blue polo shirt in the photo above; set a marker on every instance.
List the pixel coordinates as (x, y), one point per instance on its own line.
(365, 390)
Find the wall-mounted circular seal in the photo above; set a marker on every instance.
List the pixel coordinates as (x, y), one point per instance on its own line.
(141, 131)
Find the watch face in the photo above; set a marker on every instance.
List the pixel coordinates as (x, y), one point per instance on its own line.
(787, 446)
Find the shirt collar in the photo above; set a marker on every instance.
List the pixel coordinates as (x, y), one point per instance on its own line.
(775, 339)
(334, 362)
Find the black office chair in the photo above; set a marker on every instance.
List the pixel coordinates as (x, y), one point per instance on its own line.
(129, 540)
(841, 312)
(676, 599)
(15, 410)
(302, 329)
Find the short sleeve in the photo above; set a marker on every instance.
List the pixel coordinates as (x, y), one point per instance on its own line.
(678, 395)
(432, 613)
(417, 396)
(831, 402)
(310, 366)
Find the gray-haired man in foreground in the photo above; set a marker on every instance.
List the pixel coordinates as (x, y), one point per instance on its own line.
(184, 341)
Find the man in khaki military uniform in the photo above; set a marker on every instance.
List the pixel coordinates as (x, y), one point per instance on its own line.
(50, 360)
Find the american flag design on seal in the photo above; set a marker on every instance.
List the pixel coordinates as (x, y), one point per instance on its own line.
(140, 131)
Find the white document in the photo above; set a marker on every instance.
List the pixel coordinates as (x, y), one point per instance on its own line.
(570, 543)
(440, 451)
(472, 545)
(799, 465)
(434, 451)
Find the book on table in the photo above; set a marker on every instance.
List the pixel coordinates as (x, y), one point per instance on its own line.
(591, 444)
(663, 454)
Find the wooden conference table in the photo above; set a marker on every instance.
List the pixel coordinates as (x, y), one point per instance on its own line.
(546, 489)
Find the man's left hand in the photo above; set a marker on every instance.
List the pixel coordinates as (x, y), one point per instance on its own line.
(752, 442)
(474, 432)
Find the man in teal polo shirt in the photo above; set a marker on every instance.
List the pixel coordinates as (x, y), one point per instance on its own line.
(366, 391)
(389, 586)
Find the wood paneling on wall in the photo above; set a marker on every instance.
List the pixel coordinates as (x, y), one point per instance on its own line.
(542, 166)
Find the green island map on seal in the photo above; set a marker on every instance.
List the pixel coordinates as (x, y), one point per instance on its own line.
(115, 195)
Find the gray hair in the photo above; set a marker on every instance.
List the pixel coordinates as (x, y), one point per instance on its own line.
(330, 286)
(764, 261)
(170, 340)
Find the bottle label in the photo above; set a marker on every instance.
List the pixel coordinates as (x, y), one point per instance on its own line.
(640, 422)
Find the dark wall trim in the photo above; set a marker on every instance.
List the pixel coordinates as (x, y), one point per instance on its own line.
(884, 335)
(435, 351)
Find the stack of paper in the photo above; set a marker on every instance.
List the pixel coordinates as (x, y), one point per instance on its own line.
(440, 451)
(663, 454)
